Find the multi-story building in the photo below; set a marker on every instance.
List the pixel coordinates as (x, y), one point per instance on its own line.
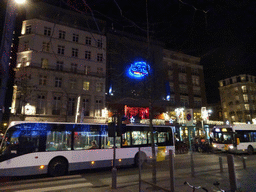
(61, 66)
(185, 82)
(238, 100)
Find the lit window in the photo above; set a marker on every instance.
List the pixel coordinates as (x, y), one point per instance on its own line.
(86, 85)
(44, 63)
(245, 96)
(244, 88)
(99, 87)
(87, 70)
(247, 107)
(46, 47)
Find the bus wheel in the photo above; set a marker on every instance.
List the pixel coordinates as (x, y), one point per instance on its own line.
(57, 167)
(250, 150)
(136, 159)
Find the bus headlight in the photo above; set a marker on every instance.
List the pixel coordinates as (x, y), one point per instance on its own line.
(214, 145)
(231, 147)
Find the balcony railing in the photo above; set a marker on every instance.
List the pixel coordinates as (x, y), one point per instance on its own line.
(51, 67)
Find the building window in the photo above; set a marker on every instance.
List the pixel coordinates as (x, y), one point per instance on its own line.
(42, 79)
(41, 104)
(170, 75)
(56, 105)
(75, 37)
(86, 85)
(245, 96)
(182, 78)
(99, 57)
(46, 46)
(71, 106)
(196, 90)
(62, 34)
(59, 65)
(195, 80)
(88, 40)
(26, 45)
(183, 89)
(87, 55)
(72, 83)
(244, 89)
(74, 52)
(98, 108)
(194, 71)
(99, 87)
(184, 101)
(73, 67)
(58, 82)
(247, 107)
(99, 43)
(182, 68)
(197, 102)
(221, 83)
(87, 70)
(47, 31)
(28, 29)
(99, 70)
(61, 49)
(86, 107)
(44, 63)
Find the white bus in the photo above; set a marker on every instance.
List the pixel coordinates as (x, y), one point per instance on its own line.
(30, 148)
(240, 138)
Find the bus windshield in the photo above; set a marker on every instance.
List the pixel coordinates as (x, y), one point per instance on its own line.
(223, 137)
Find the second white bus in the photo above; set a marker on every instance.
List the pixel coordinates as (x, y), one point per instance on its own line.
(240, 138)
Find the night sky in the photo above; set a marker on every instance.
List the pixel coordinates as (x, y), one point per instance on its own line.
(221, 32)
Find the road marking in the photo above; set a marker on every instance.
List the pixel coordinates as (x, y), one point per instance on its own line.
(41, 184)
(57, 187)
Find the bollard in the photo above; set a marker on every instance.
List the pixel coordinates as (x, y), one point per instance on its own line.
(243, 160)
(232, 173)
(139, 171)
(221, 165)
(171, 164)
(192, 165)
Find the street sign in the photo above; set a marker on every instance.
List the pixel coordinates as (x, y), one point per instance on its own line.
(189, 117)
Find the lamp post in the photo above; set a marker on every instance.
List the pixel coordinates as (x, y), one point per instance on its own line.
(5, 51)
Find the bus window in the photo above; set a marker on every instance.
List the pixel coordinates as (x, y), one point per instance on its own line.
(58, 141)
(139, 137)
(162, 137)
(83, 140)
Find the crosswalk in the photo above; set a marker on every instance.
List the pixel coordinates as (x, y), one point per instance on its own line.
(46, 184)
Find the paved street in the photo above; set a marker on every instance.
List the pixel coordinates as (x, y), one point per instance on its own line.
(207, 171)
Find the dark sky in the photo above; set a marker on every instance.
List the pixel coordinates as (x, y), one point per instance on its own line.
(221, 32)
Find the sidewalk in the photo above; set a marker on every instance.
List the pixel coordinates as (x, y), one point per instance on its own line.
(245, 182)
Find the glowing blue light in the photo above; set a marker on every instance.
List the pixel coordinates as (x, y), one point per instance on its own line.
(168, 97)
(138, 70)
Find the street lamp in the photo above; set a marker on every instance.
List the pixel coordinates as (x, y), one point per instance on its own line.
(5, 51)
